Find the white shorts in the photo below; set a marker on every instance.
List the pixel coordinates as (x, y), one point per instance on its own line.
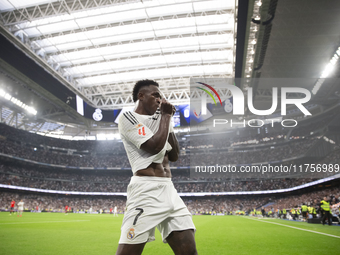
(153, 202)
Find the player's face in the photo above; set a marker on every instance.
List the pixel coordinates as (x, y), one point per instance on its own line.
(152, 99)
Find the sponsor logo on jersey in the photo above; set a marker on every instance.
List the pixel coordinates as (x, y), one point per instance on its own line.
(141, 131)
(131, 233)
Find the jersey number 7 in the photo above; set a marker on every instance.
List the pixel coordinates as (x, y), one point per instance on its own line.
(137, 216)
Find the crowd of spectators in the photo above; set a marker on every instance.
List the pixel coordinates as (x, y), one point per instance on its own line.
(120, 160)
(85, 181)
(58, 203)
(19, 135)
(117, 181)
(273, 153)
(198, 150)
(111, 154)
(276, 135)
(226, 204)
(217, 204)
(310, 198)
(222, 204)
(53, 157)
(234, 186)
(218, 140)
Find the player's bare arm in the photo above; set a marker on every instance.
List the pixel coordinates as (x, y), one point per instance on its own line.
(157, 142)
(174, 153)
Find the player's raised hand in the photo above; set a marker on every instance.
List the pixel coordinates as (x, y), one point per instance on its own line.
(166, 107)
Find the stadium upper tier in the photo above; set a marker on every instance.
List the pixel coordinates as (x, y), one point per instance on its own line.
(220, 148)
(118, 159)
(94, 181)
(265, 135)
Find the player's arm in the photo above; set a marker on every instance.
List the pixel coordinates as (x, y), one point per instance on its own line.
(157, 142)
(174, 153)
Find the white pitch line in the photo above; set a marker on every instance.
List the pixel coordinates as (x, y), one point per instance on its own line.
(41, 222)
(296, 228)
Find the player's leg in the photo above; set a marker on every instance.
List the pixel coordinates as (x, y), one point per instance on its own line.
(178, 230)
(130, 249)
(179, 233)
(329, 216)
(182, 242)
(323, 219)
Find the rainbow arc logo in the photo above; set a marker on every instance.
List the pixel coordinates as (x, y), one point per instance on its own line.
(209, 93)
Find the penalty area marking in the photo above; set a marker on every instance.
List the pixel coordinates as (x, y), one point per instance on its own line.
(41, 222)
(316, 232)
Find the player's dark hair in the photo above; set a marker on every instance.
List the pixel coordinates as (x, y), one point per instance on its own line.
(139, 85)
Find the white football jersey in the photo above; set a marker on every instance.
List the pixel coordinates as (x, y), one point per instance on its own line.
(21, 205)
(135, 129)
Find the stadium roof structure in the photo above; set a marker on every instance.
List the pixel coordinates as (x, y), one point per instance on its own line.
(98, 49)
(299, 40)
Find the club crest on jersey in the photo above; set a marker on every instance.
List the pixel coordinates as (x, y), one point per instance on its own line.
(139, 125)
(131, 233)
(141, 131)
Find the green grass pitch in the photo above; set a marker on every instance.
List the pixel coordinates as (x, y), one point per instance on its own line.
(48, 233)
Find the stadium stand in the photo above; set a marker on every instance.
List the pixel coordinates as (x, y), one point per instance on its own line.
(16, 144)
(34, 161)
(96, 181)
(196, 205)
